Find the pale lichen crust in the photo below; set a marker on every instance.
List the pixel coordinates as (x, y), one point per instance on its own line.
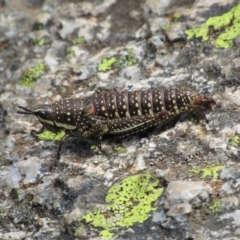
(129, 202)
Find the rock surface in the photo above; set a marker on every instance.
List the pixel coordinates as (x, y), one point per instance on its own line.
(198, 164)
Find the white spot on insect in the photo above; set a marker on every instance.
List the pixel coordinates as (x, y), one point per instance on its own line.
(69, 119)
(124, 106)
(68, 113)
(136, 104)
(149, 105)
(150, 112)
(103, 108)
(128, 115)
(113, 106)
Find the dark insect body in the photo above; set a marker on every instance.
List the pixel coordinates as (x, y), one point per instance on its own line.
(116, 113)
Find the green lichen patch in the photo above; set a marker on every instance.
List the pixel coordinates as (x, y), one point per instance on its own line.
(193, 119)
(194, 170)
(209, 171)
(228, 26)
(176, 18)
(121, 150)
(125, 60)
(129, 202)
(106, 64)
(70, 52)
(31, 76)
(235, 141)
(39, 42)
(118, 62)
(215, 208)
(79, 40)
(50, 136)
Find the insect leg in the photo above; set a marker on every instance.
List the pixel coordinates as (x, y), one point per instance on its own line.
(62, 141)
(126, 126)
(96, 131)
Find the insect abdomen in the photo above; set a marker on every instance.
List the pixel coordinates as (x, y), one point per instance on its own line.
(138, 103)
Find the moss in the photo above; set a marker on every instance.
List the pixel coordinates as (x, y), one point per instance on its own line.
(209, 171)
(228, 24)
(129, 202)
(79, 40)
(235, 141)
(47, 135)
(30, 77)
(118, 62)
(216, 206)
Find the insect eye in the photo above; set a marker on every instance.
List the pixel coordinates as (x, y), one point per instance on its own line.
(42, 114)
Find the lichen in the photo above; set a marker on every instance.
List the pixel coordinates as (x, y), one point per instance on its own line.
(176, 18)
(106, 64)
(118, 62)
(216, 206)
(194, 170)
(129, 202)
(47, 135)
(208, 171)
(125, 60)
(79, 40)
(235, 141)
(121, 150)
(30, 77)
(39, 42)
(70, 52)
(227, 24)
(193, 119)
